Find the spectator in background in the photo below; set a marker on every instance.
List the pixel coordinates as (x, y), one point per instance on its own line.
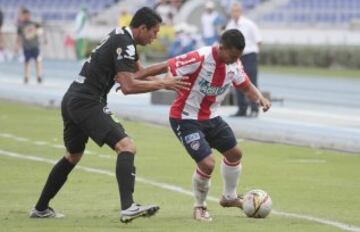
(28, 38)
(211, 23)
(177, 4)
(81, 22)
(124, 18)
(249, 57)
(184, 42)
(166, 10)
(226, 4)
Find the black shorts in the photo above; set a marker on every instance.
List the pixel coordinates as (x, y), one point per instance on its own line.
(85, 117)
(33, 53)
(198, 137)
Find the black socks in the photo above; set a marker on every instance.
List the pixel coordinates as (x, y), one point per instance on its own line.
(55, 181)
(125, 175)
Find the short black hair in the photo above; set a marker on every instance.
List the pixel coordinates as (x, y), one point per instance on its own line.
(233, 38)
(25, 10)
(145, 16)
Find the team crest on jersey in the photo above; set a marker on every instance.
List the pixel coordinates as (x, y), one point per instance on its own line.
(208, 90)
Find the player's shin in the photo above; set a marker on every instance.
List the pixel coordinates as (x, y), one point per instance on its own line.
(201, 184)
(55, 181)
(125, 175)
(230, 172)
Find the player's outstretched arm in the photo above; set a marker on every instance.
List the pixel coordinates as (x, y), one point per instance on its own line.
(153, 70)
(131, 85)
(255, 95)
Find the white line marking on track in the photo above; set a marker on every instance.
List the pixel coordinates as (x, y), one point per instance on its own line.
(107, 156)
(16, 138)
(40, 143)
(342, 226)
(44, 143)
(21, 139)
(307, 161)
(58, 146)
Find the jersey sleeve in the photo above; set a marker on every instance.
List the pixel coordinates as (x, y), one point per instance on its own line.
(240, 79)
(185, 64)
(124, 55)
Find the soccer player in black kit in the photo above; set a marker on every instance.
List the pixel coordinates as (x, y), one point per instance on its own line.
(85, 114)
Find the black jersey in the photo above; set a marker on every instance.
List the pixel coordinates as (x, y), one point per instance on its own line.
(116, 53)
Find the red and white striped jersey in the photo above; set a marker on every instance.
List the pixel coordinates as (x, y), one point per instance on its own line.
(210, 82)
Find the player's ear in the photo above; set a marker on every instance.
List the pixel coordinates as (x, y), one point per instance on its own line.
(221, 47)
(143, 27)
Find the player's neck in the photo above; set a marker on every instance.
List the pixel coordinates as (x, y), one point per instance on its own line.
(135, 34)
(218, 56)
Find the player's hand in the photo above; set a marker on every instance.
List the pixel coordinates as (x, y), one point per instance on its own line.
(176, 83)
(264, 103)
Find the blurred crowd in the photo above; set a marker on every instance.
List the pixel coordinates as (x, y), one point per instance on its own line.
(174, 38)
(179, 38)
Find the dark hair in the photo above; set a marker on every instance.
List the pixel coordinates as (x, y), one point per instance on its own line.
(146, 16)
(233, 38)
(25, 10)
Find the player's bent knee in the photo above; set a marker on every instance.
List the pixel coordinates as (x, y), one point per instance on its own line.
(207, 165)
(73, 158)
(233, 155)
(126, 144)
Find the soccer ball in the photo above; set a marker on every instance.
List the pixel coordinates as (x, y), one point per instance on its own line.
(257, 203)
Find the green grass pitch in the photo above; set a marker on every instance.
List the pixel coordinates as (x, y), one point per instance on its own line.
(311, 182)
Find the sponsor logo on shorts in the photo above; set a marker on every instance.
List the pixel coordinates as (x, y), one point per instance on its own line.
(192, 137)
(106, 110)
(195, 145)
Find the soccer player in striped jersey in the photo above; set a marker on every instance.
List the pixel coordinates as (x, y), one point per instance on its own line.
(195, 120)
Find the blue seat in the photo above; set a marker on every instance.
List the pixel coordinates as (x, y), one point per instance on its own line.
(314, 11)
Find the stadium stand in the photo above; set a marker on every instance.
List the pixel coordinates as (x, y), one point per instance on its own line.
(249, 4)
(308, 12)
(53, 11)
(290, 12)
(280, 21)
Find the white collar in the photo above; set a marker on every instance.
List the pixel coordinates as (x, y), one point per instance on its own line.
(129, 31)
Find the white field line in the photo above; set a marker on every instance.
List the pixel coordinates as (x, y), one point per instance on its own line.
(308, 161)
(43, 143)
(342, 226)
